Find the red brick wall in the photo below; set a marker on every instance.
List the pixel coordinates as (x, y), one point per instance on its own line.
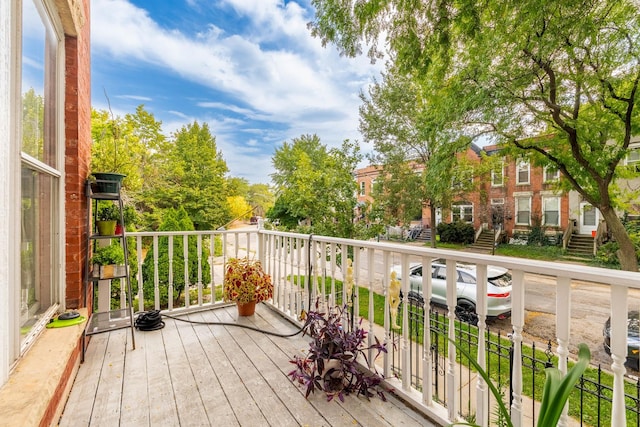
(77, 156)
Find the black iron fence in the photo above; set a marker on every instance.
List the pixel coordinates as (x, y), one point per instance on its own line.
(590, 403)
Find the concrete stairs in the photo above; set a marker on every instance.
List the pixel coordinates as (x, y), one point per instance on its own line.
(484, 243)
(580, 245)
(424, 236)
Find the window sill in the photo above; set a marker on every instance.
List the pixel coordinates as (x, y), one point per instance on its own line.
(40, 383)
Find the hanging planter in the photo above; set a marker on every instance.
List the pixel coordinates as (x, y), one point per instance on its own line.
(107, 182)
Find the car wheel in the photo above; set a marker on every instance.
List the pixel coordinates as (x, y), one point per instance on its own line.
(466, 312)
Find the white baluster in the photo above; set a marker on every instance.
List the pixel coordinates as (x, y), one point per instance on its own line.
(517, 320)
(482, 397)
(140, 281)
(427, 362)
(185, 266)
(618, 352)
(406, 355)
(451, 376)
(156, 275)
(563, 330)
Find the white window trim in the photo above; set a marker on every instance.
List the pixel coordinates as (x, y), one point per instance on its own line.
(529, 199)
(519, 166)
(556, 177)
(544, 198)
(493, 175)
(470, 205)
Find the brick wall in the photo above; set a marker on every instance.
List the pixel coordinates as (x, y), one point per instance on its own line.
(77, 155)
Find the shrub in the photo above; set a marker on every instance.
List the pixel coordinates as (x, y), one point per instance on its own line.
(456, 232)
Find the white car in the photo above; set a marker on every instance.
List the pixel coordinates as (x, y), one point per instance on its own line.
(498, 289)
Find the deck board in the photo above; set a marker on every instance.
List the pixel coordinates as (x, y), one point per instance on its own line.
(199, 375)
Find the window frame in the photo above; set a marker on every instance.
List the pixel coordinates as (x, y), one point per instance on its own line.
(520, 166)
(462, 212)
(495, 174)
(558, 200)
(554, 178)
(517, 200)
(53, 75)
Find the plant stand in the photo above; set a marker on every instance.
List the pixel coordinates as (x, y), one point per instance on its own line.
(106, 319)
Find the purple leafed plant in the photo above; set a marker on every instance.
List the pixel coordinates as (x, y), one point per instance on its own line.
(331, 364)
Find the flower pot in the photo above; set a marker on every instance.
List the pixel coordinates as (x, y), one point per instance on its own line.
(247, 309)
(119, 229)
(106, 228)
(107, 182)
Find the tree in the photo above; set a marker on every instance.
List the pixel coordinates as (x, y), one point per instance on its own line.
(315, 184)
(414, 148)
(520, 70)
(193, 176)
(127, 145)
(175, 220)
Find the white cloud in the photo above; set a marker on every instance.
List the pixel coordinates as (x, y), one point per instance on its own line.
(272, 68)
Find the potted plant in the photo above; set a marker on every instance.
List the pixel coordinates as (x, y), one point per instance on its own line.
(332, 364)
(106, 182)
(108, 262)
(246, 283)
(107, 216)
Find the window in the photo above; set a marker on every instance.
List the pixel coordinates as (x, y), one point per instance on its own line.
(462, 212)
(633, 159)
(551, 211)
(522, 172)
(40, 170)
(497, 176)
(551, 174)
(523, 210)
(363, 191)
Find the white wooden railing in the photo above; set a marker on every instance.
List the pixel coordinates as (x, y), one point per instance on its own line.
(289, 256)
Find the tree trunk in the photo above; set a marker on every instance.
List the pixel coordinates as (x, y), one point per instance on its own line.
(432, 224)
(627, 252)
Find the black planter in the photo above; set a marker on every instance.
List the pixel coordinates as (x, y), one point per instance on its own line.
(107, 182)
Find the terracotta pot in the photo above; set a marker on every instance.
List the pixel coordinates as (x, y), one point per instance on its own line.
(247, 309)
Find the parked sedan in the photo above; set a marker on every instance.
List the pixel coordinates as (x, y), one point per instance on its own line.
(633, 339)
(498, 289)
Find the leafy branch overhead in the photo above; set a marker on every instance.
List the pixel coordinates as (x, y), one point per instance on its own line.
(554, 81)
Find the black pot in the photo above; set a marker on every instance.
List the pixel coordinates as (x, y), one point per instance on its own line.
(107, 182)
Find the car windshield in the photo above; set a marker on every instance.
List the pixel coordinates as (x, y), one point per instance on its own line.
(501, 280)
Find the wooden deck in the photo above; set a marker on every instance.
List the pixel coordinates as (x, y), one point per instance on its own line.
(204, 375)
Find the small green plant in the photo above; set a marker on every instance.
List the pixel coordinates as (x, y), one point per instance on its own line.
(107, 211)
(108, 255)
(555, 394)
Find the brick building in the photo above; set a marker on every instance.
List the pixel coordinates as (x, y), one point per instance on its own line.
(513, 197)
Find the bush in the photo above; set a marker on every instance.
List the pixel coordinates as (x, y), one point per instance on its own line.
(456, 232)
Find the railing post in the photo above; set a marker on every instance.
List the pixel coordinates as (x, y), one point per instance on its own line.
(517, 320)
(563, 331)
(618, 335)
(406, 356)
(482, 398)
(452, 380)
(427, 362)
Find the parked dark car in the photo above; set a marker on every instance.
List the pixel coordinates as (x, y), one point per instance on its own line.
(633, 339)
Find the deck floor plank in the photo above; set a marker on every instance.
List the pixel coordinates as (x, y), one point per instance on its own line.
(107, 405)
(189, 375)
(215, 402)
(135, 392)
(86, 384)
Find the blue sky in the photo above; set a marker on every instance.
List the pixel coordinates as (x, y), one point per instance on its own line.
(248, 68)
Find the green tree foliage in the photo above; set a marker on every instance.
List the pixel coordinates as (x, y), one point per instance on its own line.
(417, 151)
(175, 220)
(33, 124)
(521, 69)
(261, 198)
(315, 184)
(193, 176)
(127, 145)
